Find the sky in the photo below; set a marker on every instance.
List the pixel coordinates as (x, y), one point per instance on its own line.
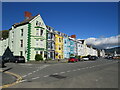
(84, 19)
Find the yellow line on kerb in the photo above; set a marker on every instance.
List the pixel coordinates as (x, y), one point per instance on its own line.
(19, 78)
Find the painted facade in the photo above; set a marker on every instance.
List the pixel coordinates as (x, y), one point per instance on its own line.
(72, 46)
(32, 36)
(50, 43)
(58, 45)
(66, 48)
(28, 38)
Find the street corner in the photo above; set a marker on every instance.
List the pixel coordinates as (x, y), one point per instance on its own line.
(9, 79)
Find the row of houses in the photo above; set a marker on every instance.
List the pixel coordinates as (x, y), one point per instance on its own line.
(32, 36)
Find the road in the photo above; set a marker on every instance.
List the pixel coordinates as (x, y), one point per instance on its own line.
(101, 73)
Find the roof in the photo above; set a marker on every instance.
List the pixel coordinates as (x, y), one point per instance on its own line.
(25, 21)
(82, 41)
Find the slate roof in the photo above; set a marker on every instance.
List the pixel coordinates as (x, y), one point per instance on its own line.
(24, 22)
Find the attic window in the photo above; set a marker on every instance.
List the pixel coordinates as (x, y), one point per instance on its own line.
(37, 23)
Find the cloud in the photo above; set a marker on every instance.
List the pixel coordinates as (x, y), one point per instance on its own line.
(104, 43)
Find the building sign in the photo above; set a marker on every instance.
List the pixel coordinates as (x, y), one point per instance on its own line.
(39, 48)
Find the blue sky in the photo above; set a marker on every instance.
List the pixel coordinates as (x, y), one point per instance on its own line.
(85, 19)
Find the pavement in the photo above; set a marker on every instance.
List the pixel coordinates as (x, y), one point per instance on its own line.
(101, 73)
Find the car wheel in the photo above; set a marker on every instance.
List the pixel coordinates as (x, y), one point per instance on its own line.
(16, 61)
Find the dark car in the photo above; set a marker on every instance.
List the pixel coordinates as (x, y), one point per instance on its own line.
(72, 59)
(2, 63)
(93, 57)
(110, 57)
(19, 59)
(8, 59)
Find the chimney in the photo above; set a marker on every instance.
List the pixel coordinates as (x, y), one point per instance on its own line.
(73, 36)
(27, 15)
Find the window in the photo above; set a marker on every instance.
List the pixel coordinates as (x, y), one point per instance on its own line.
(59, 48)
(59, 40)
(37, 39)
(21, 43)
(65, 41)
(41, 52)
(21, 32)
(41, 43)
(48, 35)
(21, 53)
(37, 23)
(41, 33)
(37, 32)
(36, 52)
(37, 42)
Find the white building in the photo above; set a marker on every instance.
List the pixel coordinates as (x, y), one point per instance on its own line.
(102, 53)
(28, 38)
(3, 46)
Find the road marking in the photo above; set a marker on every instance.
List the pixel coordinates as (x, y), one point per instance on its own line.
(37, 70)
(55, 73)
(78, 69)
(74, 70)
(34, 71)
(35, 78)
(62, 72)
(29, 73)
(24, 76)
(46, 76)
(23, 80)
(82, 68)
(68, 71)
(19, 78)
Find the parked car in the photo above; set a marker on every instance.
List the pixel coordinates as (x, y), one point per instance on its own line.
(2, 63)
(8, 59)
(109, 57)
(93, 57)
(19, 59)
(86, 58)
(72, 59)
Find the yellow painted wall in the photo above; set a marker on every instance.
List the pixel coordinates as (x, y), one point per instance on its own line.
(59, 43)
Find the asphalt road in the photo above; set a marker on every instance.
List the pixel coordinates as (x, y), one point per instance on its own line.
(101, 73)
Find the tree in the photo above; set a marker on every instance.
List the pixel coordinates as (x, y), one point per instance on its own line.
(38, 57)
(4, 34)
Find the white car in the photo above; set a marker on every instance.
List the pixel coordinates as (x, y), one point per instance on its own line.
(85, 58)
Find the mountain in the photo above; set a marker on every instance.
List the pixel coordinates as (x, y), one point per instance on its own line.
(112, 50)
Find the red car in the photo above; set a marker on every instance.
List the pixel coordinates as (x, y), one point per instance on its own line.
(72, 59)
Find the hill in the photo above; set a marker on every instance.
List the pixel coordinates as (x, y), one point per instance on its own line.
(112, 50)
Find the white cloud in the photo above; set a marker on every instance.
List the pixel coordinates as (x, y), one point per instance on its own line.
(104, 42)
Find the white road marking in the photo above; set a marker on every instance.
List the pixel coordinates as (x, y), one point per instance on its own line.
(29, 73)
(78, 69)
(46, 76)
(37, 70)
(55, 73)
(23, 81)
(62, 72)
(35, 78)
(34, 71)
(82, 68)
(74, 70)
(24, 76)
(68, 71)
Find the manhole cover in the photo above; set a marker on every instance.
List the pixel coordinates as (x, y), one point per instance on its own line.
(58, 76)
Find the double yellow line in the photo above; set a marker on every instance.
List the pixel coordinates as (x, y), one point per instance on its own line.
(19, 78)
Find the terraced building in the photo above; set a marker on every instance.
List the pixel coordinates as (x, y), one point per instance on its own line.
(28, 37)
